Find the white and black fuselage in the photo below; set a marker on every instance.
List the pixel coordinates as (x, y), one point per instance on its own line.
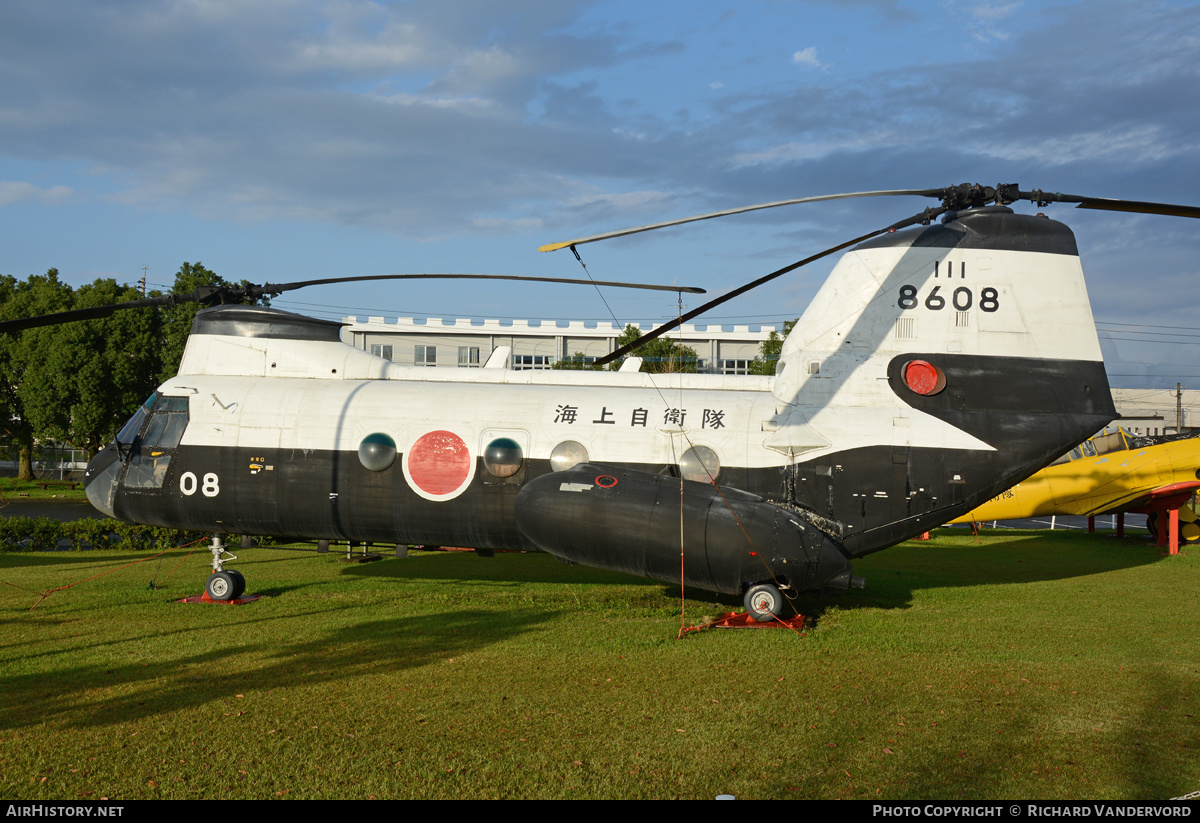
(935, 368)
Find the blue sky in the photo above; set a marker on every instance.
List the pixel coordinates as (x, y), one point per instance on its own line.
(295, 139)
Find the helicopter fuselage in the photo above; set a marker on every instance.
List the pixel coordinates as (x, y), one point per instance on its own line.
(934, 369)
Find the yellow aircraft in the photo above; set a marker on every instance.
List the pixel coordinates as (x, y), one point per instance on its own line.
(1111, 473)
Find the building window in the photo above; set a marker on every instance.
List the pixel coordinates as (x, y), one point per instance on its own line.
(380, 350)
(531, 361)
(468, 355)
(735, 366)
(425, 356)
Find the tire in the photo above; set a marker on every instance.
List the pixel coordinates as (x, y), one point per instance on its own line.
(764, 602)
(239, 583)
(1152, 524)
(221, 586)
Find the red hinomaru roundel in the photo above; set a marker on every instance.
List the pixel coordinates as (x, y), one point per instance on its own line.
(439, 465)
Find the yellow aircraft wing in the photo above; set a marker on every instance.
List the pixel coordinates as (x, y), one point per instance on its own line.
(1160, 476)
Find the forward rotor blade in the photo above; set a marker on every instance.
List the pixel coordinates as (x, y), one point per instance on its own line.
(923, 217)
(273, 288)
(91, 313)
(233, 294)
(710, 215)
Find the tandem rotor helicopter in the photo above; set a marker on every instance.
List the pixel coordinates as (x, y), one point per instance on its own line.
(945, 358)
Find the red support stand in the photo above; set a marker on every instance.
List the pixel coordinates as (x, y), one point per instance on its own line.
(1168, 537)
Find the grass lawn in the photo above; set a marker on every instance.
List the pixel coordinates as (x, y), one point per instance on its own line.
(13, 489)
(1028, 665)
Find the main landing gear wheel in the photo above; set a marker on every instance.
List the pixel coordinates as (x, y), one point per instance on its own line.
(222, 585)
(764, 602)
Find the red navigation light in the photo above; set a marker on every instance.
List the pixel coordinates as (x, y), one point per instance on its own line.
(923, 377)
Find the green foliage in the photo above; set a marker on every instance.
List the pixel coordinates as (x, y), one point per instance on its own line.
(770, 349)
(78, 382)
(177, 320)
(19, 534)
(93, 373)
(660, 355)
(22, 356)
(577, 361)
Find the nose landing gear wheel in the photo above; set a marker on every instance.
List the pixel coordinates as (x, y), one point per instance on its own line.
(239, 583)
(221, 586)
(764, 602)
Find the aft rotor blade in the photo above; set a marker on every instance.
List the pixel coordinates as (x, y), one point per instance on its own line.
(923, 217)
(273, 288)
(727, 212)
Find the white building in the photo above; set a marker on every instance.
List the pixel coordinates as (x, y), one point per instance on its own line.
(538, 344)
(1157, 411)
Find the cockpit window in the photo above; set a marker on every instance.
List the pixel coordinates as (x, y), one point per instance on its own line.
(151, 454)
(1118, 440)
(167, 425)
(129, 431)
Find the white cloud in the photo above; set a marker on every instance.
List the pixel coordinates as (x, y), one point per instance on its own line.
(985, 18)
(814, 149)
(808, 57)
(13, 192)
(1147, 143)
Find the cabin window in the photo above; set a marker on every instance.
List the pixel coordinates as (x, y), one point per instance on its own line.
(503, 457)
(377, 452)
(701, 464)
(567, 455)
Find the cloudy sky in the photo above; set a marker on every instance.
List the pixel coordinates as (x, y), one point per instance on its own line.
(293, 139)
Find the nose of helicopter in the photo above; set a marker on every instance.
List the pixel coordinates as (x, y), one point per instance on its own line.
(100, 479)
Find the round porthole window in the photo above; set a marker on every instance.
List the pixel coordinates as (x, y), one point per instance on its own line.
(502, 457)
(567, 455)
(377, 451)
(700, 463)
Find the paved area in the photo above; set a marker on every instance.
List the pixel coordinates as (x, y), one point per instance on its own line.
(57, 509)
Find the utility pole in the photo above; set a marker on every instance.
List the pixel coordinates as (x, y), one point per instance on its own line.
(143, 284)
(1178, 408)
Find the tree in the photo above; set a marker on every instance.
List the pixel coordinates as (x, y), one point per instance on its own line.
(177, 320)
(577, 361)
(22, 357)
(96, 372)
(769, 351)
(660, 355)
